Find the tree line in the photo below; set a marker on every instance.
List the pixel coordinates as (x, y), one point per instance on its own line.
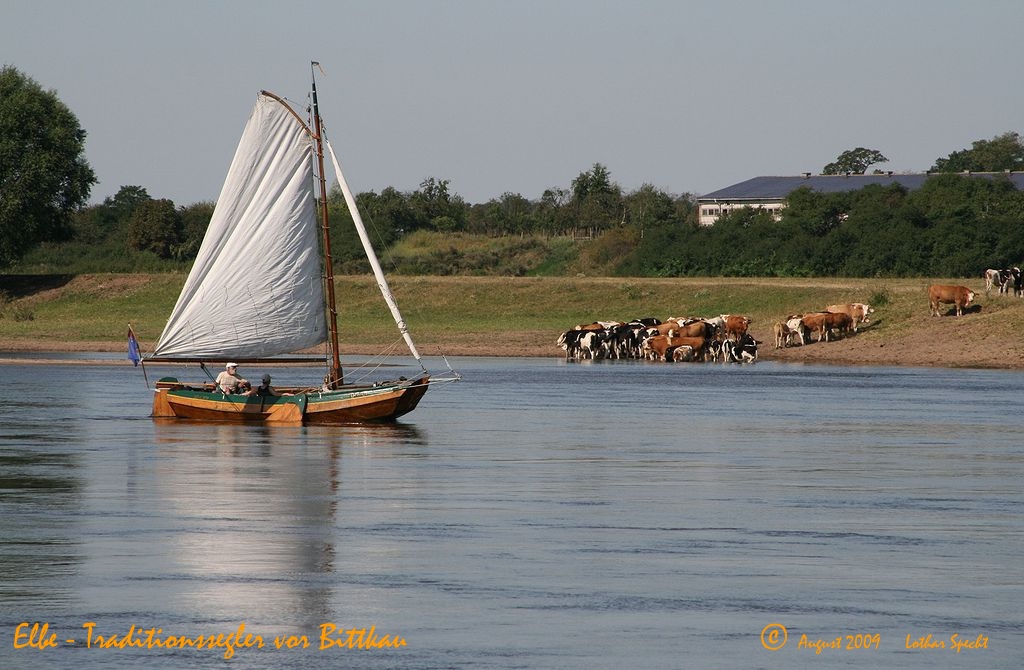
(952, 226)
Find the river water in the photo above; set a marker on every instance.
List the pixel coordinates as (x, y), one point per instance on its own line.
(538, 514)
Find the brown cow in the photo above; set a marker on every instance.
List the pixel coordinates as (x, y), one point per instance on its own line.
(825, 322)
(837, 321)
(857, 311)
(655, 346)
(694, 329)
(736, 326)
(782, 334)
(659, 347)
(699, 346)
(814, 322)
(684, 328)
(665, 327)
(959, 296)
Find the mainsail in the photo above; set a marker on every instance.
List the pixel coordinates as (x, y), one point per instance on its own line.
(256, 287)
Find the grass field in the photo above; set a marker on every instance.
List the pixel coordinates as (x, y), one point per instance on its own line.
(521, 315)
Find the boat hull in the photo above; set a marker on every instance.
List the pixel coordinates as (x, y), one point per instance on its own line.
(357, 404)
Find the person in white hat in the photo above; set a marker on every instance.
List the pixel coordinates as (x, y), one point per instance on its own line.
(229, 382)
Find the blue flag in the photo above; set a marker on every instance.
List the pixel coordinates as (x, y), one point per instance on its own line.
(133, 348)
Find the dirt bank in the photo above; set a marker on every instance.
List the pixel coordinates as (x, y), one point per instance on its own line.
(942, 342)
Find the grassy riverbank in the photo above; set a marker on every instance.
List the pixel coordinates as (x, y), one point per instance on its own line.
(522, 316)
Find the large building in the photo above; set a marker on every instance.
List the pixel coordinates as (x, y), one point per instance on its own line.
(770, 193)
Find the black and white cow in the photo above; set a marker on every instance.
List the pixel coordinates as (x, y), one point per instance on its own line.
(570, 341)
(1006, 280)
(743, 351)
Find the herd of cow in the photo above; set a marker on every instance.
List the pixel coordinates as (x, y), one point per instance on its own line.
(722, 338)
(725, 337)
(677, 339)
(833, 321)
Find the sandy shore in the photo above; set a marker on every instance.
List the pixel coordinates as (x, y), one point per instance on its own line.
(942, 346)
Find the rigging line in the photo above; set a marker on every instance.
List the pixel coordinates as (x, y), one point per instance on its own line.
(392, 263)
(371, 256)
(445, 359)
(370, 369)
(456, 377)
(202, 366)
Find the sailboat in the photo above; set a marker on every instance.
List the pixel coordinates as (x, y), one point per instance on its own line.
(262, 286)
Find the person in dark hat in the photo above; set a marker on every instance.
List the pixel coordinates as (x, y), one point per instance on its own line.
(265, 389)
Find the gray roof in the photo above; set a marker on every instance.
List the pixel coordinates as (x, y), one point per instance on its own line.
(769, 188)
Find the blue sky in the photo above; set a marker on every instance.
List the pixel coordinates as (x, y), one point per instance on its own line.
(524, 95)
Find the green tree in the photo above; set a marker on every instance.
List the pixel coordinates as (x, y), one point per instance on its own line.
(103, 228)
(854, 161)
(597, 201)
(595, 182)
(647, 206)
(44, 177)
(686, 209)
(815, 213)
(1003, 152)
(509, 214)
(436, 207)
(155, 226)
(387, 217)
(195, 219)
(553, 212)
(122, 205)
(111, 218)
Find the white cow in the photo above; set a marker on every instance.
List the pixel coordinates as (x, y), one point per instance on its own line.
(797, 329)
(993, 278)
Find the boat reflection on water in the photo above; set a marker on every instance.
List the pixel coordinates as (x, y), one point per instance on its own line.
(252, 503)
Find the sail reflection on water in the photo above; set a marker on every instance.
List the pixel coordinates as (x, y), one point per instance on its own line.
(255, 502)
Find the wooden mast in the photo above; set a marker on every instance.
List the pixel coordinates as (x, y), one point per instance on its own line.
(335, 378)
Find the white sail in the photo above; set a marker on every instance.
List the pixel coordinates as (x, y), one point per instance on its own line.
(256, 287)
